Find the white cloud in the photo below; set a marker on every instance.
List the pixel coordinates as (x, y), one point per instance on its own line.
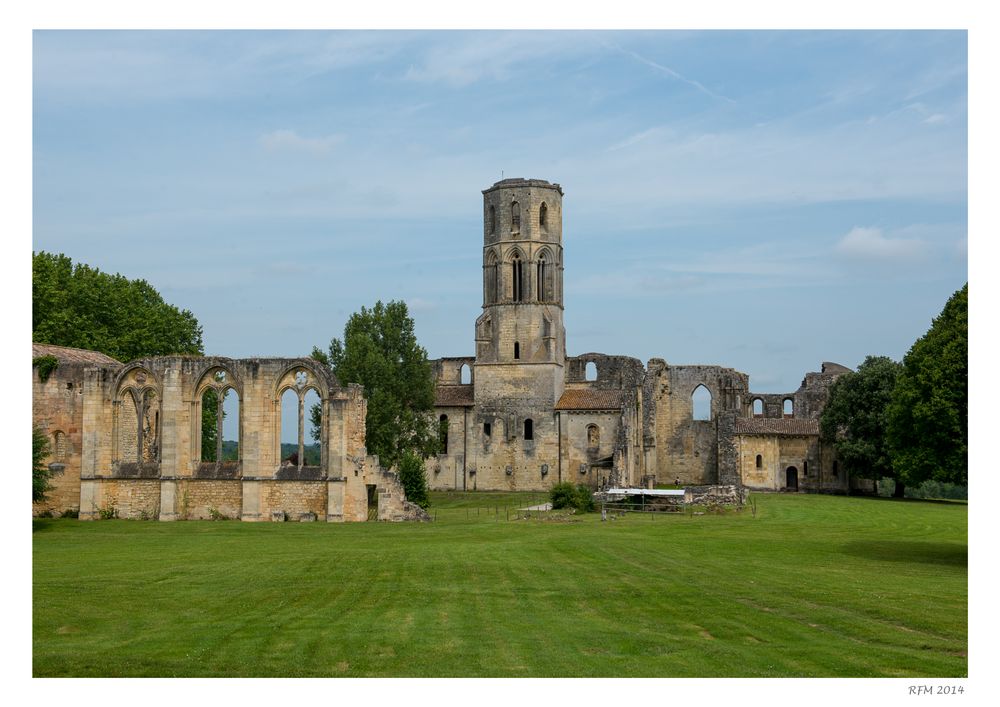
(290, 140)
(869, 243)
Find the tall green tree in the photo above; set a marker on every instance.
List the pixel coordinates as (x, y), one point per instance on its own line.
(80, 306)
(855, 419)
(40, 473)
(929, 414)
(379, 350)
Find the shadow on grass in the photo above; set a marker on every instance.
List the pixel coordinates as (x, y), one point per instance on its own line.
(906, 551)
(41, 524)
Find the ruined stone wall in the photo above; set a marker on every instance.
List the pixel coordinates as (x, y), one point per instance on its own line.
(687, 450)
(446, 471)
(57, 409)
(132, 498)
(294, 498)
(582, 461)
(197, 498)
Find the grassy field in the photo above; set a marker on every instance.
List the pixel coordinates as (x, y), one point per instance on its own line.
(811, 586)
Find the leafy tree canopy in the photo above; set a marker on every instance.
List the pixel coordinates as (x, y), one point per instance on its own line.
(80, 306)
(929, 415)
(380, 351)
(854, 419)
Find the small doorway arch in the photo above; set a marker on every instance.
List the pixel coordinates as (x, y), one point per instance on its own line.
(792, 478)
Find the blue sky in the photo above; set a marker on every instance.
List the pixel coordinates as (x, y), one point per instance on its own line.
(760, 200)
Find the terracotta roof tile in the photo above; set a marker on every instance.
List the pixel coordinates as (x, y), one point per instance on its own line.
(453, 396)
(775, 426)
(590, 399)
(68, 355)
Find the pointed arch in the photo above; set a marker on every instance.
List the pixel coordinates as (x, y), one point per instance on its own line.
(516, 276)
(701, 403)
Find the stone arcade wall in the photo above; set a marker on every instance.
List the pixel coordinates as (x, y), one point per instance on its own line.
(129, 437)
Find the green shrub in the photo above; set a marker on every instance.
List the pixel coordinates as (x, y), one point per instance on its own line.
(216, 514)
(71, 513)
(566, 495)
(411, 476)
(45, 366)
(107, 513)
(563, 495)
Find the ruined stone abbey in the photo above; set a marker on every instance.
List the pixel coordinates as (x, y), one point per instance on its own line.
(518, 415)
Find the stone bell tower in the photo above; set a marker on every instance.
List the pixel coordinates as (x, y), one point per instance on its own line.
(520, 338)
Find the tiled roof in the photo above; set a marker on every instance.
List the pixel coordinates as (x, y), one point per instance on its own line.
(68, 355)
(453, 396)
(776, 426)
(590, 399)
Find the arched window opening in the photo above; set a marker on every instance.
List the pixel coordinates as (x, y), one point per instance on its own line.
(590, 372)
(758, 407)
(230, 426)
(515, 216)
(59, 446)
(465, 376)
(529, 429)
(290, 453)
(211, 420)
(517, 278)
(805, 468)
(220, 424)
(443, 433)
(788, 407)
(760, 462)
(541, 279)
(701, 403)
(543, 214)
(593, 436)
(517, 350)
(312, 408)
(487, 429)
(493, 220)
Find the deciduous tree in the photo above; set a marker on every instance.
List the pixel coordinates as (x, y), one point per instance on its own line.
(80, 306)
(929, 415)
(855, 419)
(379, 350)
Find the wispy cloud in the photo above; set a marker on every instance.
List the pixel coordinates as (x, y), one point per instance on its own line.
(290, 140)
(666, 70)
(869, 243)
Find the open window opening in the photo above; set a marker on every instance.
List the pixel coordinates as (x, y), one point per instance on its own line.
(590, 371)
(758, 407)
(529, 429)
(465, 375)
(701, 403)
(788, 407)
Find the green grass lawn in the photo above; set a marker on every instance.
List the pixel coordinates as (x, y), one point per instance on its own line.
(813, 586)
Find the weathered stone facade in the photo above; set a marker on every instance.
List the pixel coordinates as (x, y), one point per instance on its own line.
(519, 415)
(129, 438)
(522, 415)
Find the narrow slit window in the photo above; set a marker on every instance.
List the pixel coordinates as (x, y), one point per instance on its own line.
(760, 462)
(529, 429)
(444, 434)
(517, 350)
(515, 216)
